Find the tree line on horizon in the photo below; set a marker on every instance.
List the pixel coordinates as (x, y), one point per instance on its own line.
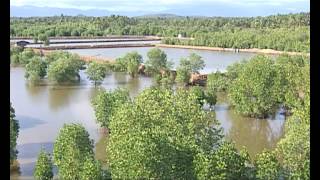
(290, 32)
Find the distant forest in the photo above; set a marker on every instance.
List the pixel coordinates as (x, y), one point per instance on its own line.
(290, 32)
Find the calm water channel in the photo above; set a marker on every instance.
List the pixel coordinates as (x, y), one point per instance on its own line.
(42, 110)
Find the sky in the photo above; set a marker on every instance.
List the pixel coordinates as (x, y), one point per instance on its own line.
(180, 7)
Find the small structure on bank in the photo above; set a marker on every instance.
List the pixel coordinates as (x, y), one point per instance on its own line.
(21, 43)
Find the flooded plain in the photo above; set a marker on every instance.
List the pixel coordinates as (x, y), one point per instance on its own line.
(42, 110)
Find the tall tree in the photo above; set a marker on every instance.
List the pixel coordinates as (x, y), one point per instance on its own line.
(70, 151)
(154, 137)
(43, 167)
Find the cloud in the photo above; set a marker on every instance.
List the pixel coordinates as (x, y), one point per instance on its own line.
(145, 4)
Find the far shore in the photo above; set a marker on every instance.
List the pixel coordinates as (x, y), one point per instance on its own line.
(253, 50)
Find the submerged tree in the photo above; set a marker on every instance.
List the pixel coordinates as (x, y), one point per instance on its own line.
(133, 61)
(36, 69)
(65, 69)
(96, 72)
(251, 92)
(43, 167)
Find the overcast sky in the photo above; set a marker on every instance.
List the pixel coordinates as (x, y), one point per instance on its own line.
(192, 7)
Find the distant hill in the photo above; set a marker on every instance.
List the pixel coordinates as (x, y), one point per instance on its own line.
(27, 11)
(161, 15)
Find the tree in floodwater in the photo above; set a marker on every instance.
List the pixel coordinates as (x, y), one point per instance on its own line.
(157, 64)
(65, 69)
(267, 166)
(133, 61)
(210, 98)
(105, 104)
(251, 92)
(294, 147)
(158, 136)
(192, 64)
(217, 82)
(71, 150)
(43, 167)
(36, 69)
(199, 93)
(14, 133)
(96, 72)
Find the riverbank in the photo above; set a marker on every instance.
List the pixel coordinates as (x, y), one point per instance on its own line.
(253, 50)
(82, 57)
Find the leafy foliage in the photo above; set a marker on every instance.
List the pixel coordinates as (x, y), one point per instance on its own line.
(91, 170)
(189, 65)
(154, 137)
(36, 69)
(71, 150)
(289, 32)
(14, 132)
(267, 166)
(96, 72)
(65, 69)
(157, 61)
(106, 103)
(251, 92)
(217, 82)
(294, 148)
(43, 167)
(224, 163)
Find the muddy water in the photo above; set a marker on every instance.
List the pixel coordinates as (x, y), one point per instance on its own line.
(214, 60)
(42, 111)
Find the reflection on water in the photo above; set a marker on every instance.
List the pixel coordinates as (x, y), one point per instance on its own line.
(28, 122)
(254, 134)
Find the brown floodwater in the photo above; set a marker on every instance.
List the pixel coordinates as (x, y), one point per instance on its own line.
(42, 111)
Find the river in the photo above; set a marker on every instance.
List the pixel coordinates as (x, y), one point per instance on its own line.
(42, 110)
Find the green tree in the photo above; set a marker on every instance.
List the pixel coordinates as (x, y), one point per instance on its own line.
(217, 82)
(210, 98)
(154, 136)
(224, 163)
(26, 55)
(36, 69)
(294, 148)
(157, 61)
(44, 38)
(91, 170)
(14, 133)
(43, 167)
(267, 166)
(199, 93)
(71, 150)
(65, 69)
(183, 76)
(96, 72)
(251, 92)
(106, 103)
(133, 61)
(196, 62)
